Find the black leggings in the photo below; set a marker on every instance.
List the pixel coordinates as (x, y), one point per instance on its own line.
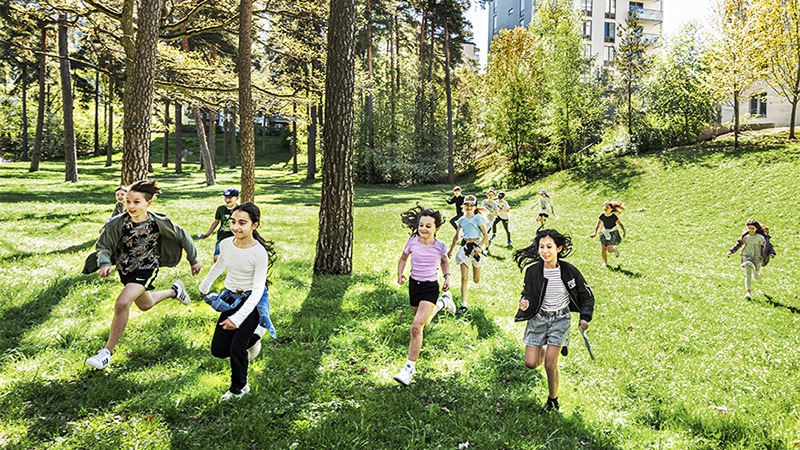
(505, 225)
(234, 344)
(454, 219)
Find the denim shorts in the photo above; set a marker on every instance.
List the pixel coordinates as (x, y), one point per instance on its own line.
(216, 249)
(548, 328)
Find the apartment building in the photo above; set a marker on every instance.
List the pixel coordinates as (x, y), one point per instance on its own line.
(603, 20)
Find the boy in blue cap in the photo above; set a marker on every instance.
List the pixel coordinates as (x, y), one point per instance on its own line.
(223, 218)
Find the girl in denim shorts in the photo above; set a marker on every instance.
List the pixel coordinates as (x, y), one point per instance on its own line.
(247, 257)
(552, 289)
(609, 235)
(427, 254)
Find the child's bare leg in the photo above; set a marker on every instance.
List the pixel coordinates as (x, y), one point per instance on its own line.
(604, 252)
(533, 356)
(464, 282)
(551, 368)
(122, 307)
(149, 299)
(476, 274)
(422, 316)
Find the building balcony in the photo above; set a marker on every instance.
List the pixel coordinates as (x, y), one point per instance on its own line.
(651, 15)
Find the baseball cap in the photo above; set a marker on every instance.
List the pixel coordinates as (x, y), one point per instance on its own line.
(543, 191)
(470, 199)
(230, 192)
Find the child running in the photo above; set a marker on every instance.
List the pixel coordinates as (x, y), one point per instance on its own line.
(427, 254)
(139, 242)
(490, 205)
(472, 230)
(458, 200)
(223, 218)
(552, 288)
(546, 208)
(119, 208)
(756, 252)
(609, 237)
(503, 208)
(244, 304)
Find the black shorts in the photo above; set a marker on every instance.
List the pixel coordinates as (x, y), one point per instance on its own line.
(543, 215)
(145, 277)
(422, 291)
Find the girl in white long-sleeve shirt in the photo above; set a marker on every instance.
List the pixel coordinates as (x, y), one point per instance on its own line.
(247, 258)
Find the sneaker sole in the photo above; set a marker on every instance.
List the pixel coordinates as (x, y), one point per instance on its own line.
(401, 381)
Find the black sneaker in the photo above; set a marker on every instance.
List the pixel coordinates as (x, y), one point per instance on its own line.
(550, 405)
(461, 310)
(564, 351)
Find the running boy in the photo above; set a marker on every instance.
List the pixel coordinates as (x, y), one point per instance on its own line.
(503, 208)
(223, 219)
(458, 199)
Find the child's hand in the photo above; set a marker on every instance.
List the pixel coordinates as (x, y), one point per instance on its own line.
(228, 325)
(593, 235)
(623, 234)
(105, 271)
(446, 284)
(450, 254)
(728, 255)
(196, 268)
(401, 279)
(584, 325)
(523, 304)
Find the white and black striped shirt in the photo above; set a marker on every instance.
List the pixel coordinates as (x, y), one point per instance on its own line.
(556, 296)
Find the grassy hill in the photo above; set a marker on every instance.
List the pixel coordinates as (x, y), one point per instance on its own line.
(683, 360)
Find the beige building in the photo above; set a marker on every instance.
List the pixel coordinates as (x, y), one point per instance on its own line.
(764, 107)
(604, 20)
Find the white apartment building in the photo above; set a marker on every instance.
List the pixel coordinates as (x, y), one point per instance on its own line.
(764, 107)
(603, 21)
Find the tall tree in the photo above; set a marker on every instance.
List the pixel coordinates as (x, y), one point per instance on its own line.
(736, 55)
(37, 143)
(630, 63)
(139, 86)
(779, 22)
(178, 136)
(248, 144)
(167, 123)
(70, 153)
(334, 253)
(110, 130)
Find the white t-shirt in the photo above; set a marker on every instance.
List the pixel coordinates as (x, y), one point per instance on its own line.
(246, 270)
(502, 204)
(546, 205)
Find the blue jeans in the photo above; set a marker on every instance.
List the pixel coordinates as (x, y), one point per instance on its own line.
(228, 300)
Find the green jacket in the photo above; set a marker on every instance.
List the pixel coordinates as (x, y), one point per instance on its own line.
(174, 240)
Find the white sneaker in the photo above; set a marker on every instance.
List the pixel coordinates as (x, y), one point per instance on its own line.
(748, 295)
(404, 376)
(447, 299)
(616, 251)
(254, 350)
(229, 395)
(100, 360)
(180, 292)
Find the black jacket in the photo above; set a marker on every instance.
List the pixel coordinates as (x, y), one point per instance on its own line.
(581, 298)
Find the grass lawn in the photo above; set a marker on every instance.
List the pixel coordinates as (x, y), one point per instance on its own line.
(683, 360)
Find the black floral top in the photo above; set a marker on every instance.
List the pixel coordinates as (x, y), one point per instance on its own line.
(138, 247)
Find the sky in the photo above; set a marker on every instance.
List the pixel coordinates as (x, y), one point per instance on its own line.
(676, 13)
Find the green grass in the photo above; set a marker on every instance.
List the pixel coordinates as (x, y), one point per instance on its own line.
(672, 333)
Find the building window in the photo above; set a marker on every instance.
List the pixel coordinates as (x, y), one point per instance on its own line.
(494, 23)
(587, 50)
(587, 29)
(608, 55)
(586, 7)
(758, 105)
(610, 32)
(636, 6)
(611, 9)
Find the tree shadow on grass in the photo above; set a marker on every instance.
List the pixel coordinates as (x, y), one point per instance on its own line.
(484, 325)
(20, 256)
(18, 320)
(609, 176)
(776, 304)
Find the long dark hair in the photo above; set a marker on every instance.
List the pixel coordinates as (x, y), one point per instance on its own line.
(255, 216)
(411, 218)
(530, 254)
(760, 228)
(147, 188)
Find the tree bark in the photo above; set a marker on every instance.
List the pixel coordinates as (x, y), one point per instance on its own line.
(110, 132)
(736, 128)
(264, 135)
(204, 152)
(212, 138)
(25, 155)
(178, 137)
(370, 99)
(311, 170)
(96, 113)
(70, 155)
(248, 191)
(139, 87)
(165, 149)
(232, 156)
(451, 177)
(334, 252)
(37, 143)
(294, 138)
(226, 125)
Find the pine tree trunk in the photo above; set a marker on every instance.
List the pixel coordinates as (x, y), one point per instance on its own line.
(311, 170)
(165, 149)
(110, 132)
(37, 143)
(232, 156)
(370, 99)
(139, 88)
(212, 138)
(248, 192)
(204, 152)
(451, 177)
(264, 135)
(178, 137)
(67, 106)
(334, 252)
(736, 129)
(25, 155)
(96, 113)
(226, 125)
(294, 138)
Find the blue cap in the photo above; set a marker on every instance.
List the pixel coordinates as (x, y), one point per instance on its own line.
(230, 193)
(543, 191)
